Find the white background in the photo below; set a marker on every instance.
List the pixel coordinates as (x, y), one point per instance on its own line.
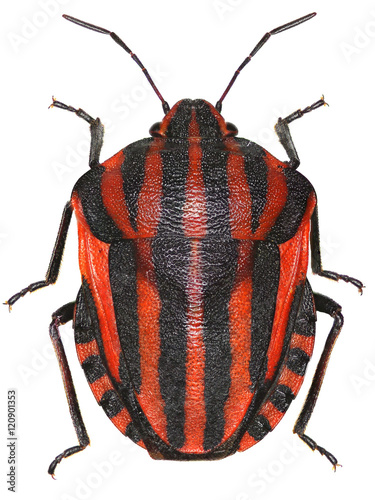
(192, 48)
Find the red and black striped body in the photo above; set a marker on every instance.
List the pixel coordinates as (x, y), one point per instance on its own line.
(195, 321)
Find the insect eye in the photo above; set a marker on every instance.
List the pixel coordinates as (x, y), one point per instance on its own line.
(155, 129)
(232, 129)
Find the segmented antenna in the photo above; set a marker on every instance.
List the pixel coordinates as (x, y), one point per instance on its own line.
(118, 40)
(258, 46)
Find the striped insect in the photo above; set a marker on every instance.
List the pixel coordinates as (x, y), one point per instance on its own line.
(195, 322)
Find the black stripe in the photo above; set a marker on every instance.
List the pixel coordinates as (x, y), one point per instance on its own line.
(175, 160)
(219, 264)
(306, 319)
(93, 368)
(133, 173)
(123, 281)
(215, 178)
(132, 433)
(301, 311)
(111, 403)
(296, 314)
(302, 322)
(207, 122)
(87, 322)
(124, 374)
(259, 427)
(266, 273)
(281, 397)
(88, 188)
(171, 263)
(287, 223)
(180, 122)
(297, 361)
(256, 172)
(83, 330)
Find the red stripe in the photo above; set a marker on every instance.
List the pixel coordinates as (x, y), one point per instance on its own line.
(149, 200)
(167, 119)
(113, 195)
(195, 215)
(293, 267)
(272, 414)
(220, 120)
(240, 202)
(101, 386)
(291, 379)
(195, 415)
(294, 255)
(277, 192)
(239, 192)
(246, 442)
(87, 349)
(149, 307)
(194, 224)
(93, 263)
(303, 342)
(240, 395)
(122, 420)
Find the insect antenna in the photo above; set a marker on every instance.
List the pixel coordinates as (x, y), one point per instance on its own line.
(258, 46)
(118, 40)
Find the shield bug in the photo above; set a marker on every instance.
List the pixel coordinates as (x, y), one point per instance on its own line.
(195, 322)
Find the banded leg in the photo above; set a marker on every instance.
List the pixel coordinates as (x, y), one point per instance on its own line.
(316, 260)
(96, 130)
(326, 305)
(60, 317)
(284, 135)
(56, 258)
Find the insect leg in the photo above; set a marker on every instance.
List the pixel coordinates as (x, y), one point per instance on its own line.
(60, 317)
(96, 130)
(56, 258)
(316, 260)
(326, 305)
(283, 132)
